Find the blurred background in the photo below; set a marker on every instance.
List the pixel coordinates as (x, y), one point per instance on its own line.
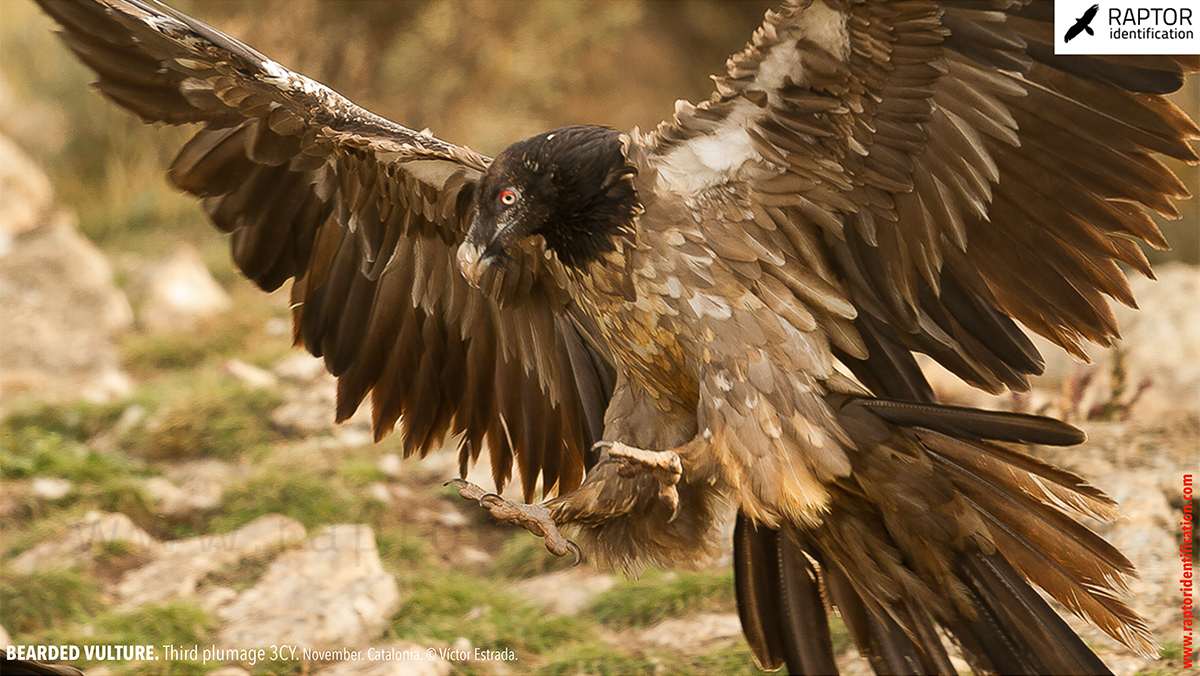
(150, 397)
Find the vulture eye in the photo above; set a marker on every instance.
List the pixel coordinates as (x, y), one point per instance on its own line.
(507, 197)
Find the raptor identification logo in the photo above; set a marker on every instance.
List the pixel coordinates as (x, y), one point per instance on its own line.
(1127, 27)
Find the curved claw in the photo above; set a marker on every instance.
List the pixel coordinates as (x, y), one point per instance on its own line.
(576, 552)
(466, 489)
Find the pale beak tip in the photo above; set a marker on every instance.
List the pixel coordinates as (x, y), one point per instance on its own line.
(470, 263)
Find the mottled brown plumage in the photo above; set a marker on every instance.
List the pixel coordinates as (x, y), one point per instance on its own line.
(730, 302)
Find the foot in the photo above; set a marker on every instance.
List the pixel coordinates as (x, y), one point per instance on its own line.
(534, 518)
(665, 466)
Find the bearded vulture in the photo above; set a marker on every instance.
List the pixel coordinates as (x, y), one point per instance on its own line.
(718, 319)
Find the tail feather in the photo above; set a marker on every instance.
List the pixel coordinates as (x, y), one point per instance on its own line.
(973, 423)
(1022, 474)
(1074, 565)
(779, 601)
(1017, 630)
(803, 610)
(938, 524)
(999, 497)
(757, 578)
(1096, 602)
(883, 641)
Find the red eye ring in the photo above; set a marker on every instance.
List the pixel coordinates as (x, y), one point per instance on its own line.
(507, 197)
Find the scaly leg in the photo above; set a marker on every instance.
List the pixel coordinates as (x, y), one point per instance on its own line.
(534, 518)
(665, 466)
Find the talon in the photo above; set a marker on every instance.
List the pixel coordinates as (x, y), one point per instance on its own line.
(467, 489)
(534, 518)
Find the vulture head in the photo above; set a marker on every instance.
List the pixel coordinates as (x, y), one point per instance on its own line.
(572, 186)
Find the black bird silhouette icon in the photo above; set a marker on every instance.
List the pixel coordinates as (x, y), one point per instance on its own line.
(1083, 23)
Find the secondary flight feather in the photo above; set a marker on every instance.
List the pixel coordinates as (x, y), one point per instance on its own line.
(652, 324)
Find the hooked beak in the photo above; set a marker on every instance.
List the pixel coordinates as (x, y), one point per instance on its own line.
(472, 263)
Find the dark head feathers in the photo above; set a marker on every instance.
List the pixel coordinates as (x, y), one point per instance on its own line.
(573, 186)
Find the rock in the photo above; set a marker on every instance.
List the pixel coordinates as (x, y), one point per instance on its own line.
(564, 592)
(61, 310)
(392, 659)
(75, 546)
(696, 633)
(50, 488)
(380, 493)
(332, 593)
(177, 294)
(25, 193)
(194, 487)
(452, 518)
(472, 556)
(182, 564)
(300, 367)
(212, 598)
(171, 500)
(250, 375)
(310, 395)
(391, 464)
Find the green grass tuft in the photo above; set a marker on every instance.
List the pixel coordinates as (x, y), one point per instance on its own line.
(659, 596)
(599, 660)
(47, 599)
(399, 549)
(442, 605)
(243, 573)
(221, 420)
(522, 556)
(735, 659)
(311, 498)
(1171, 650)
(180, 624)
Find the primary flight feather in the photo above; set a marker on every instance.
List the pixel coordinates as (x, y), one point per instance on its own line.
(717, 319)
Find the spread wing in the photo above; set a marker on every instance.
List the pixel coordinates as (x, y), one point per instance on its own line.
(938, 166)
(364, 215)
(893, 176)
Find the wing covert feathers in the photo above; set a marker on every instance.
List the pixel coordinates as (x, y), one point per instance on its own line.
(960, 175)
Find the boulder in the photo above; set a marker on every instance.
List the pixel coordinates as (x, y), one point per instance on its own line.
(59, 307)
(181, 564)
(564, 592)
(332, 593)
(177, 294)
(75, 546)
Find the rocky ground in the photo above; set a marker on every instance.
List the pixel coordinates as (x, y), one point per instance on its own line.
(172, 476)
